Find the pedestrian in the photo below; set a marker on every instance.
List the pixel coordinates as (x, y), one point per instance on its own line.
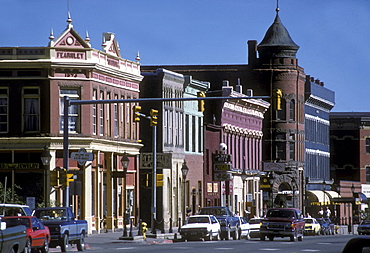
(321, 213)
(308, 215)
(327, 212)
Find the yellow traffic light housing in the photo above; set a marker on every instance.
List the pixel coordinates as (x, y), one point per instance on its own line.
(70, 178)
(137, 110)
(159, 180)
(54, 178)
(278, 94)
(201, 102)
(153, 117)
(63, 177)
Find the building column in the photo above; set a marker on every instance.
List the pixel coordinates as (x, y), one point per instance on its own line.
(86, 201)
(109, 188)
(97, 193)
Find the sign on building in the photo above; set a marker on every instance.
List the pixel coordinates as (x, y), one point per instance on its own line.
(164, 160)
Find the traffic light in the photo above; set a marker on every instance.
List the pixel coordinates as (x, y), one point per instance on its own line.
(278, 94)
(63, 177)
(70, 178)
(159, 180)
(201, 94)
(137, 110)
(54, 178)
(153, 117)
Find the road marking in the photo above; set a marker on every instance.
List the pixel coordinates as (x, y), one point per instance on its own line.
(125, 248)
(224, 248)
(310, 250)
(268, 249)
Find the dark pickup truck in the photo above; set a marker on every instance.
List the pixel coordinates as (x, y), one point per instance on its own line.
(229, 223)
(64, 228)
(282, 222)
(13, 239)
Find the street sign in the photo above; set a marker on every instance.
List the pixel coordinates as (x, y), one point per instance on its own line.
(222, 176)
(82, 156)
(222, 167)
(226, 158)
(118, 174)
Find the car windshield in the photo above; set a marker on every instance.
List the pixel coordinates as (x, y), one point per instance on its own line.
(198, 220)
(55, 214)
(12, 222)
(366, 222)
(11, 211)
(214, 211)
(254, 221)
(280, 214)
(308, 220)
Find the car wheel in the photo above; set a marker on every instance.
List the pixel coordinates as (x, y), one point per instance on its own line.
(271, 237)
(300, 238)
(293, 237)
(209, 237)
(64, 243)
(235, 234)
(218, 237)
(227, 235)
(45, 248)
(262, 238)
(27, 247)
(81, 242)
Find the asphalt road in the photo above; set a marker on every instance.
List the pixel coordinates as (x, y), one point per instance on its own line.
(105, 243)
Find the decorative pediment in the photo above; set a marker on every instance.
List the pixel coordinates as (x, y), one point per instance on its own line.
(110, 45)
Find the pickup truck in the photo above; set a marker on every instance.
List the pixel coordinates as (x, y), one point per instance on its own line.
(13, 239)
(282, 222)
(64, 228)
(228, 221)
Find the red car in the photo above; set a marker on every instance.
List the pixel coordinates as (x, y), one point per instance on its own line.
(38, 235)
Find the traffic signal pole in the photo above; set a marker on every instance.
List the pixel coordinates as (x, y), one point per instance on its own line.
(154, 178)
(65, 147)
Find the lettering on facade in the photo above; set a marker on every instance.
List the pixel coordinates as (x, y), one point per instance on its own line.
(70, 55)
(273, 166)
(113, 63)
(19, 166)
(163, 160)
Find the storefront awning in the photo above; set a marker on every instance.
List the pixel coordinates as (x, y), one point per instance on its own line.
(361, 197)
(317, 197)
(332, 194)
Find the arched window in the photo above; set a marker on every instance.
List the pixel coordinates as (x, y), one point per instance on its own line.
(281, 114)
(291, 110)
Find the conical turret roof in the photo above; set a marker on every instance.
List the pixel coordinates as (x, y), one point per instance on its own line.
(277, 40)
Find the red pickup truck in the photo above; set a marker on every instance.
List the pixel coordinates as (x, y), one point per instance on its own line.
(282, 222)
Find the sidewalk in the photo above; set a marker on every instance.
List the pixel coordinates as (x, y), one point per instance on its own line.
(117, 236)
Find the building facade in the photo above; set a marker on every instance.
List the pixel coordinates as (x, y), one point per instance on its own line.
(33, 84)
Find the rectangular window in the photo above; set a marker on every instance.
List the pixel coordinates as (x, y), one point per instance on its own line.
(116, 117)
(187, 140)
(367, 145)
(280, 150)
(4, 110)
(94, 113)
(31, 109)
(101, 115)
(73, 120)
(291, 147)
(193, 134)
(367, 175)
(200, 135)
(108, 116)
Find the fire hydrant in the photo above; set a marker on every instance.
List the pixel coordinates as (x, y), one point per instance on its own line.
(144, 229)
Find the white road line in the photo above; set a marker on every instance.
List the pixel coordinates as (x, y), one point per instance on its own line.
(269, 249)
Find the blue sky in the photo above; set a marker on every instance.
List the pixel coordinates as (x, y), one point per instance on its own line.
(333, 35)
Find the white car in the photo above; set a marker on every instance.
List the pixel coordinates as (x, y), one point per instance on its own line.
(254, 227)
(200, 227)
(243, 229)
(14, 210)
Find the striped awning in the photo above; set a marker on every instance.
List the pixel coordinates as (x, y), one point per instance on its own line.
(332, 194)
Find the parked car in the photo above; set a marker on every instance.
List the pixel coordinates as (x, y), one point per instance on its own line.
(38, 235)
(15, 210)
(243, 229)
(200, 227)
(364, 228)
(228, 221)
(254, 227)
(311, 226)
(325, 228)
(357, 244)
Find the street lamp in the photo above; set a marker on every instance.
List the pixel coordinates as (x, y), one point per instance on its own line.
(125, 161)
(46, 158)
(353, 206)
(184, 172)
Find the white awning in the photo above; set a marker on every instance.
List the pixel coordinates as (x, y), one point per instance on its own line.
(332, 194)
(318, 197)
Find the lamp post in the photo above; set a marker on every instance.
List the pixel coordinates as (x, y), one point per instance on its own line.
(244, 178)
(324, 188)
(184, 172)
(271, 181)
(46, 158)
(125, 161)
(353, 205)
